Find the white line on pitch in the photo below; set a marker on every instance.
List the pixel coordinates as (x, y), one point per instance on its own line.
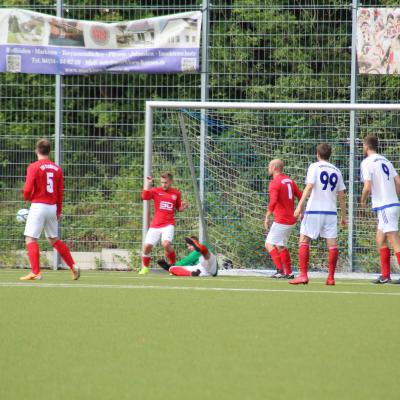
(187, 288)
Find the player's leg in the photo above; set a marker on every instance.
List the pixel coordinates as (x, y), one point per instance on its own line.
(394, 240)
(333, 256)
(33, 229)
(146, 258)
(208, 266)
(51, 231)
(271, 242)
(329, 232)
(276, 259)
(152, 237)
(385, 225)
(193, 270)
(384, 256)
(167, 236)
(304, 258)
(280, 237)
(391, 231)
(34, 259)
(65, 253)
(309, 229)
(286, 260)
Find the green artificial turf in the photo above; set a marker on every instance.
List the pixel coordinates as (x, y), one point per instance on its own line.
(120, 336)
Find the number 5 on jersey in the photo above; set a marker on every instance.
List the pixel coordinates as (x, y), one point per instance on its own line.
(50, 182)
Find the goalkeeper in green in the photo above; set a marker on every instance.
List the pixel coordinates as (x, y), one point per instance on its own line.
(200, 262)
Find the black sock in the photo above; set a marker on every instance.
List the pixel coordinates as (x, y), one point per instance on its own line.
(163, 264)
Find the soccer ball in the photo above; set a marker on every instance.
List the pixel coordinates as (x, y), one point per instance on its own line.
(22, 215)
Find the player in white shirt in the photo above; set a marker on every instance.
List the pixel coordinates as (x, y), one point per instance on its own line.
(324, 184)
(383, 183)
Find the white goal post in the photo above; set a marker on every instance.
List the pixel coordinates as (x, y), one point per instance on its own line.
(223, 143)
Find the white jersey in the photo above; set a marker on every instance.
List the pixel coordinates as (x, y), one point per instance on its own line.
(327, 181)
(381, 173)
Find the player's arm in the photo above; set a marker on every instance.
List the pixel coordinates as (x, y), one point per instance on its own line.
(365, 193)
(181, 205)
(397, 184)
(300, 206)
(147, 193)
(342, 205)
(29, 184)
(273, 201)
(184, 206)
(297, 192)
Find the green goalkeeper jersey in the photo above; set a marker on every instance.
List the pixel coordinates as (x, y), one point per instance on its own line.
(193, 258)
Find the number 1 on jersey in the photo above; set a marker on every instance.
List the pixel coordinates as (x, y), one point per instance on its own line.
(290, 192)
(50, 182)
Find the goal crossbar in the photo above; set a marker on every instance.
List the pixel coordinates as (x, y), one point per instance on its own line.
(273, 106)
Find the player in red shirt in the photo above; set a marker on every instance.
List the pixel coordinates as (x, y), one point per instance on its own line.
(282, 191)
(44, 188)
(166, 200)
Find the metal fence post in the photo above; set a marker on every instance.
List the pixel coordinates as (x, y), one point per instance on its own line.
(204, 97)
(58, 131)
(148, 165)
(353, 135)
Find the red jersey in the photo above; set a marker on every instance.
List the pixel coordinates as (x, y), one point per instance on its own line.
(44, 184)
(165, 204)
(282, 191)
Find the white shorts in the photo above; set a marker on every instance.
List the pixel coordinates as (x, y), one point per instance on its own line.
(155, 234)
(324, 225)
(388, 219)
(206, 267)
(42, 216)
(278, 234)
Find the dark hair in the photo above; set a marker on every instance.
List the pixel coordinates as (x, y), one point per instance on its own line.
(167, 175)
(371, 142)
(191, 237)
(324, 150)
(43, 147)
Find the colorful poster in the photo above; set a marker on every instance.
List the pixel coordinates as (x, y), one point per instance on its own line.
(378, 40)
(31, 42)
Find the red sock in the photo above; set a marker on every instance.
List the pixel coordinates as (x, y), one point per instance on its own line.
(63, 251)
(203, 249)
(276, 259)
(304, 258)
(384, 253)
(34, 257)
(171, 257)
(286, 261)
(180, 271)
(332, 260)
(146, 261)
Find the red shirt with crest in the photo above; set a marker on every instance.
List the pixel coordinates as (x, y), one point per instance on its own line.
(165, 204)
(44, 183)
(282, 191)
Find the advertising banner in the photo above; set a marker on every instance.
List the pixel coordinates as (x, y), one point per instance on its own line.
(31, 42)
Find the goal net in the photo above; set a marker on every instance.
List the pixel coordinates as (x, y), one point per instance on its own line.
(219, 155)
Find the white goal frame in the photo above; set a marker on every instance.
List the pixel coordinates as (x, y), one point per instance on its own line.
(202, 106)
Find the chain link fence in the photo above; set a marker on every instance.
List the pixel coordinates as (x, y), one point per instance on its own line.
(257, 51)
